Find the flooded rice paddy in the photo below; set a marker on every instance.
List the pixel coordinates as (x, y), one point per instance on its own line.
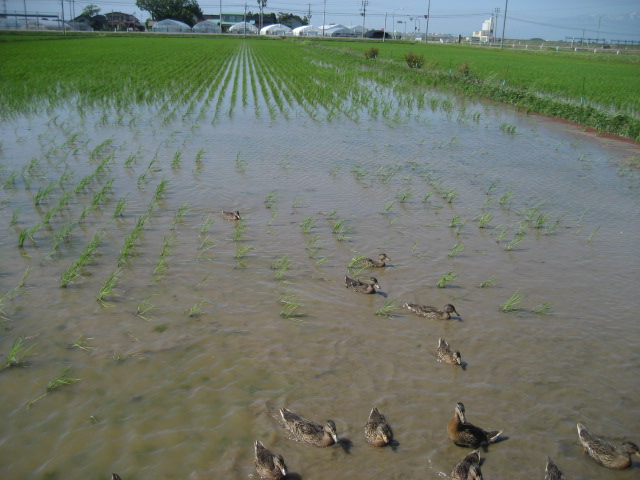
(186, 332)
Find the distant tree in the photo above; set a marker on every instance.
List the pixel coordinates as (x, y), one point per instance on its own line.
(291, 20)
(187, 11)
(91, 10)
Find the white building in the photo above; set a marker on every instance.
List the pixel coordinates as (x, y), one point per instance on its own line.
(276, 29)
(486, 34)
(307, 31)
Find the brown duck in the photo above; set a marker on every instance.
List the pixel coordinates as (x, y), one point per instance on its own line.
(432, 312)
(552, 472)
(377, 431)
(361, 287)
(269, 465)
(605, 453)
(231, 215)
(309, 432)
(468, 468)
(446, 354)
(466, 434)
(369, 262)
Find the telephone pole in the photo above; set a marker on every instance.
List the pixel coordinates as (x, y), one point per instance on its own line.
(364, 14)
(504, 22)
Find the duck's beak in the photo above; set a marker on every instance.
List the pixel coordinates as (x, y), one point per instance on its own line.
(335, 437)
(376, 286)
(284, 471)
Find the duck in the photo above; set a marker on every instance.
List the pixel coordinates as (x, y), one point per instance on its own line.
(465, 434)
(468, 468)
(309, 432)
(432, 312)
(115, 476)
(605, 453)
(269, 465)
(232, 216)
(446, 355)
(369, 262)
(552, 472)
(370, 287)
(377, 431)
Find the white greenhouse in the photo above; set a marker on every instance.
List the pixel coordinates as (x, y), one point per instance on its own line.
(276, 29)
(336, 30)
(307, 31)
(207, 26)
(170, 26)
(243, 28)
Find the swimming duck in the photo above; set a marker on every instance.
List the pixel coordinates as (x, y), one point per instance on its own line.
(231, 215)
(377, 430)
(468, 468)
(605, 453)
(269, 465)
(432, 312)
(115, 476)
(465, 434)
(552, 472)
(446, 354)
(370, 287)
(369, 262)
(309, 432)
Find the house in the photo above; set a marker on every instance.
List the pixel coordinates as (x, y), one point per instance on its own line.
(118, 21)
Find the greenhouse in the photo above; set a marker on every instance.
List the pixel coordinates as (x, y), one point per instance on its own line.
(170, 26)
(276, 29)
(207, 26)
(15, 22)
(337, 30)
(243, 28)
(307, 31)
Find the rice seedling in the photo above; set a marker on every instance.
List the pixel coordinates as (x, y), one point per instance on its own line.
(404, 196)
(271, 199)
(487, 283)
(21, 284)
(492, 187)
(509, 305)
(206, 225)
(446, 278)
(239, 230)
(144, 307)
(359, 171)
(180, 213)
(543, 308)
(281, 266)
(10, 181)
(273, 218)
(307, 224)
(312, 243)
(160, 189)
(425, 199)
(457, 248)
(241, 165)
(540, 220)
(108, 286)
(242, 251)
(334, 171)
(42, 194)
(196, 310)
(593, 234)
(118, 212)
(456, 221)
(449, 195)
(60, 381)
(516, 240)
(18, 353)
(504, 199)
(81, 344)
(121, 357)
(387, 309)
(100, 148)
(133, 158)
(483, 219)
(508, 128)
(291, 309)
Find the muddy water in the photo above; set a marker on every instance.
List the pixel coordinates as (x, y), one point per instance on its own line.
(168, 395)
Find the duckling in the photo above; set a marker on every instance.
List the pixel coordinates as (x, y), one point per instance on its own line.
(446, 354)
(309, 432)
(432, 312)
(468, 468)
(231, 215)
(370, 287)
(377, 431)
(552, 472)
(269, 465)
(465, 434)
(604, 452)
(115, 476)
(369, 262)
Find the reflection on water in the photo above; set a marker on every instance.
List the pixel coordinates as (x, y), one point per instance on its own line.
(185, 363)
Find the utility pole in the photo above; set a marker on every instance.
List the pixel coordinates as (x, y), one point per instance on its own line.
(364, 14)
(220, 18)
(598, 34)
(426, 30)
(324, 17)
(309, 15)
(496, 11)
(504, 22)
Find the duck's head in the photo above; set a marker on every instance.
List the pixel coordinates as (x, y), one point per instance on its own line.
(374, 283)
(278, 461)
(330, 428)
(383, 257)
(383, 433)
(458, 357)
(460, 412)
(236, 215)
(450, 309)
(630, 448)
(474, 472)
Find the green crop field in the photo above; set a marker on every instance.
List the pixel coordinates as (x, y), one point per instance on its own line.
(595, 90)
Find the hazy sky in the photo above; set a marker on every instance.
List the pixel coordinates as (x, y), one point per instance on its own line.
(549, 19)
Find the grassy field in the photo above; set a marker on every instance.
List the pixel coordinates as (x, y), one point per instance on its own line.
(595, 90)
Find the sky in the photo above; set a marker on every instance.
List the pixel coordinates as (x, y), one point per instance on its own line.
(547, 19)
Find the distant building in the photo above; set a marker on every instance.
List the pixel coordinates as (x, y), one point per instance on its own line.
(119, 21)
(484, 35)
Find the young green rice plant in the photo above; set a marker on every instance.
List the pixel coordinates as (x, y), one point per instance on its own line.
(312, 244)
(121, 357)
(60, 381)
(320, 261)
(241, 165)
(177, 160)
(387, 309)
(180, 213)
(483, 219)
(404, 196)
(593, 234)
(196, 310)
(100, 149)
(492, 187)
(133, 158)
(338, 226)
(119, 210)
(516, 240)
(18, 353)
(81, 343)
(42, 194)
(281, 266)
(109, 284)
(508, 128)
(242, 251)
(291, 309)
(449, 195)
(425, 199)
(10, 181)
(510, 304)
(14, 217)
(271, 199)
(543, 308)
(487, 283)
(206, 225)
(446, 278)
(199, 160)
(504, 200)
(307, 224)
(540, 220)
(273, 218)
(144, 307)
(239, 230)
(334, 171)
(160, 189)
(359, 171)
(457, 248)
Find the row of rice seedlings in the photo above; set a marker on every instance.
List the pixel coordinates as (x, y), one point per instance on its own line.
(60, 381)
(129, 242)
(73, 271)
(280, 266)
(18, 353)
(99, 149)
(239, 230)
(161, 264)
